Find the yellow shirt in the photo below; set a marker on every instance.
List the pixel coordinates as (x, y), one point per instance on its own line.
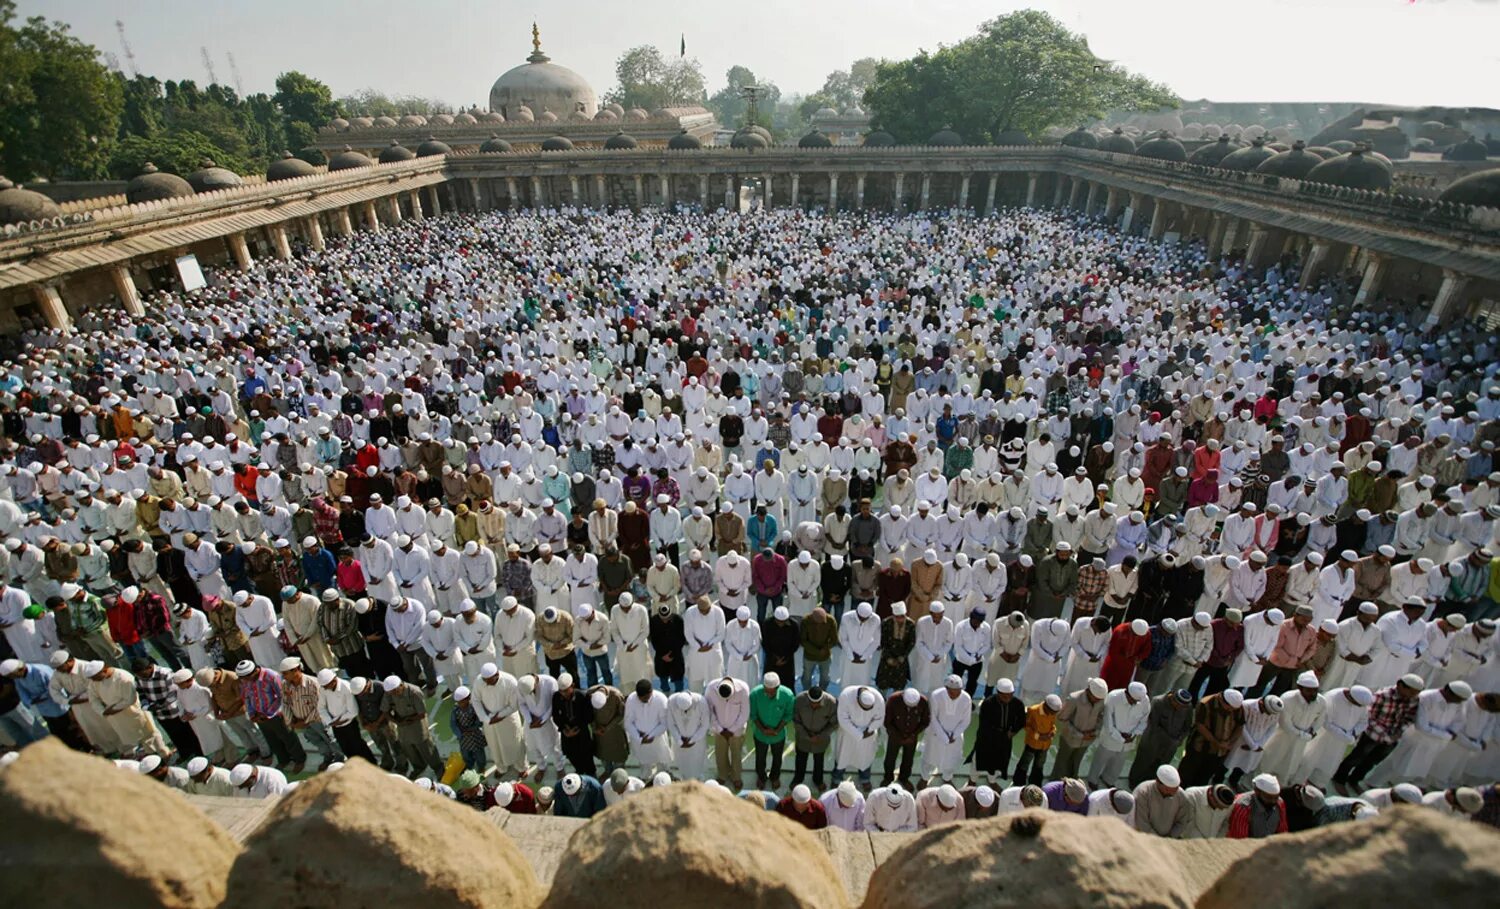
(1041, 726)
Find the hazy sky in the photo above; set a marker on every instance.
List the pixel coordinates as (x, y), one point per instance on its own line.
(1379, 51)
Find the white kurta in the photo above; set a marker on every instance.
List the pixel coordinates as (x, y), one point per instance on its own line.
(257, 620)
(859, 729)
(688, 728)
(1049, 641)
(648, 720)
(930, 657)
(742, 650)
(475, 636)
(704, 657)
(497, 703)
(858, 638)
(1299, 722)
(1260, 639)
(943, 749)
(630, 629)
(1343, 723)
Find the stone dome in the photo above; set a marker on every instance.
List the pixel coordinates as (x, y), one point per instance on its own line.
(826, 113)
(396, 152)
(615, 108)
(619, 141)
(748, 140)
(1342, 146)
(1080, 138)
(855, 111)
(209, 177)
(945, 137)
(288, 167)
(637, 114)
(523, 114)
(1482, 188)
(581, 117)
(1163, 148)
(1192, 131)
(1294, 163)
(1471, 149)
(151, 185)
(362, 122)
(1212, 153)
(339, 123)
(433, 146)
(879, 139)
(18, 205)
(539, 83)
(546, 116)
(348, 159)
(1423, 145)
(557, 143)
(684, 140)
(490, 116)
(814, 139)
(1012, 137)
(1322, 151)
(411, 120)
(1247, 158)
(441, 119)
(465, 118)
(385, 121)
(1356, 170)
(1212, 130)
(1118, 142)
(495, 144)
(606, 115)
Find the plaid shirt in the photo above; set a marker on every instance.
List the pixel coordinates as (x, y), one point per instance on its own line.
(262, 693)
(515, 577)
(1390, 714)
(151, 617)
(666, 486)
(1092, 582)
(158, 694)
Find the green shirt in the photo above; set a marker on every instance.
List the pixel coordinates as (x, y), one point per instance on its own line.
(773, 711)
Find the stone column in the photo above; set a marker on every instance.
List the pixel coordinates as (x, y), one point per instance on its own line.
(768, 197)
(478, 196)
(394, 203)
(573, 188)
(989, 195)
(50, 302)
(1217, 225)
(537, 201)
(343, 223)
(513, 190)
(1446, 307)
(241, 250)
(125, 289)
(640, 192)
(963, 192)
(314, 232)
(731, 201)
(279, 241)
(859, 191)
(1257, 244)
(1093, 198)
(702, 190)
(796, 190)
(414, 199)
(926, 191)
(437, 201)
(1132, 211)
(1031, 179)
(372, 218)
(1075, 189)
(666, 192)
(1316, 257)
(601, 193)
(1057, 191)
(833, 192)
(1376, 266)
(899, 202)
(1158, 219)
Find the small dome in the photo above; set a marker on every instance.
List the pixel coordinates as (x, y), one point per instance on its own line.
(879, 139)
(348, 159)
(684, 140)
(581, 116)
(151, 184)
(945, 137)
(441, 120)
(1471, 149)
(1482, 189)
(1252, 132)
(1080, 138)
(1423, 145)
(288, 167)
(825, 113)
(396, 152)
(362, 122)
(546, 116)
(606, 115)
(1012, 137)
(1192, 131)
(1356, 170)
(433, 146)
(411, 120)
(1322, 151)
(1163, 148)
(814, 139)
(1118, 142)
(491, 116)
(747, 140)
(619, 141)
(495, 144)
(209, 177)
(1247, 158)
(1212, 130)
(614, 108)
(17, 205)
(466, 118)
(524, 114)
(339, 123)
(1211, 154)
(636, 113)
(1342, 146)
(1294, 164)
(661, 113)
(557, 143)
(855, 111)
(386, 121)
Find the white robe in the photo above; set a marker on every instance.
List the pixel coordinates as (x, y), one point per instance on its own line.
(630, 629)
(1260, 640)
(643, 720)
(943, 749)
(1343, 723)
(858, 639)
(859, 730)
(703, 631)
(689, 725)
(1049, 642)
(1299, 723)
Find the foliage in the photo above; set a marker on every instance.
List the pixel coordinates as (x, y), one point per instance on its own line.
(246, 133)
(371, 103)
(59, 105)
(1021, 71)
(730, 106)
(307, 105)
(649, 81)
(176, 151)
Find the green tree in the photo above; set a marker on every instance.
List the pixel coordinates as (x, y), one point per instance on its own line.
(844, 89)
(649, 81)
(730, 106)
(59, 105)
(1021, 71)
(371, 103)
(306, 103)
(176, 151)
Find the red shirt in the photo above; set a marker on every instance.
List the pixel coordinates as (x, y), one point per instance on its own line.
(812, 816)
(121, 617)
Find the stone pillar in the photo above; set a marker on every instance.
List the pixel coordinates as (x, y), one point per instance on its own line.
(768, 197)
(1446, 307)
(640, 191)
(702, 190)
(1075, 189)
(279, 241)
(796, 190)
(513, 190)
(537, 201)
(666, 192)
(437, 201)
(1057, 191)
(394, 203)
(1031, 179)
(989, 195)
(125, 289)
(315, 233)
(859, 191)
(1217, 225)
(372, 218)
(1316, 258)
(1132, 211)
(600, 191)
(963, 192)
(343, 223)
(1112, 203)
(833, 192)
(1257, 245)
(899, 203)
(50, 302)
(573, 188)
(731, 201)
(241, 250)
(1093, 198)
(1376, 266)
(926, 191)
(1158, 219)
(475, 192)
(414, 199)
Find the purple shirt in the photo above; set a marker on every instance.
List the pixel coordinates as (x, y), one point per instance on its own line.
(1055, 800)
(768, 575)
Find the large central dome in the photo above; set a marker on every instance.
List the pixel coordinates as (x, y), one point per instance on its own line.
(539, 84)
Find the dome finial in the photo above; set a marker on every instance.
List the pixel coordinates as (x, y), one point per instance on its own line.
(536, 47)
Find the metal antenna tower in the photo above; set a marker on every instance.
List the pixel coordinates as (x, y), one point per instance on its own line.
(129, 54)
(234, 69)
(208, 64)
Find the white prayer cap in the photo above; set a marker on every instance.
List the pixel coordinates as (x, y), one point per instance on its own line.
(847, 793)
(244, 668)
(947, 796)
(1362, 695)
(197, 765)
(391, 683)
(801, 794)
(598, 699)
(69, 591)
(1005, 686)
(1468, 798)
(1412, 680)
(149, 763)
(1053, 702)
(1308, 679)
(1136, 690)
(1271, 704)
(898, 609)
(504, 794)
(910, 697)
(680, 700)
(572, 783)
(893, 795)
(985, 796)
(781, 614)
(1233, 697)
(863, 610)
(240, 775)
(1098, 687)
(489, 671)
(1139, 626)
(1406, 792)
(358, 684)
(1460, 689)
(1167, 775)
(866, 698)
(770, 680)
(936, 607)
(1266, 783)
(953, 681)
(742, 613)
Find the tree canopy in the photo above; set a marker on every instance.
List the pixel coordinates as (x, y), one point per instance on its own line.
(730, 106)
(1021, 71)
(842, 89)
(649, 81)
(371, 103)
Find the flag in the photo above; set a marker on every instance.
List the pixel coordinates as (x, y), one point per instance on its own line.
(682, 51)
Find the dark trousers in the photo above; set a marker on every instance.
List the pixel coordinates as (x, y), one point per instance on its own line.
(579, 750)
(182, 737)
(568, 664)
(1215, 677)
(908, 756)
(1275, 680)
(799, 767)
(1366, 754)
(1199, 768)
(1032, 758)
(970, 674)
(285, 746)
(775, 748)
(351, 742)
(67, 729)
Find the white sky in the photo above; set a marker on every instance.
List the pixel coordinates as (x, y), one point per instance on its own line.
(1379, 51)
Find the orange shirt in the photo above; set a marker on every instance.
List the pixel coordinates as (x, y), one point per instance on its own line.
(1041, 726)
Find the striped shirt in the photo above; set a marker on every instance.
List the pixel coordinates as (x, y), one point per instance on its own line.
(301, 700)
(262, 693)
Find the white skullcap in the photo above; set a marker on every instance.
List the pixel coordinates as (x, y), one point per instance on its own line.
(947, 796)
(1139, 626)
(781, 614)
(391, 683)
(598, 699)
(149, 763)
(240, 775)
(1005, 686)
(197, 765)
(489, 671)
(572, 783)
(1053, 701)
(847, 793)
(866, 698)
(985, 796)
(1098, 687)
(1167, 775)
(1233, 698)
(1266, 783)
(1308, 679)
(1136, 690)
(910, 697)
(801, 794)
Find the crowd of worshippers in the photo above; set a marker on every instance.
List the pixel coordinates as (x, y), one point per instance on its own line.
(1067, 517)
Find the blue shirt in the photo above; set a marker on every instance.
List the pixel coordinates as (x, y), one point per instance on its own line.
(35, 690)
(588, 801)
